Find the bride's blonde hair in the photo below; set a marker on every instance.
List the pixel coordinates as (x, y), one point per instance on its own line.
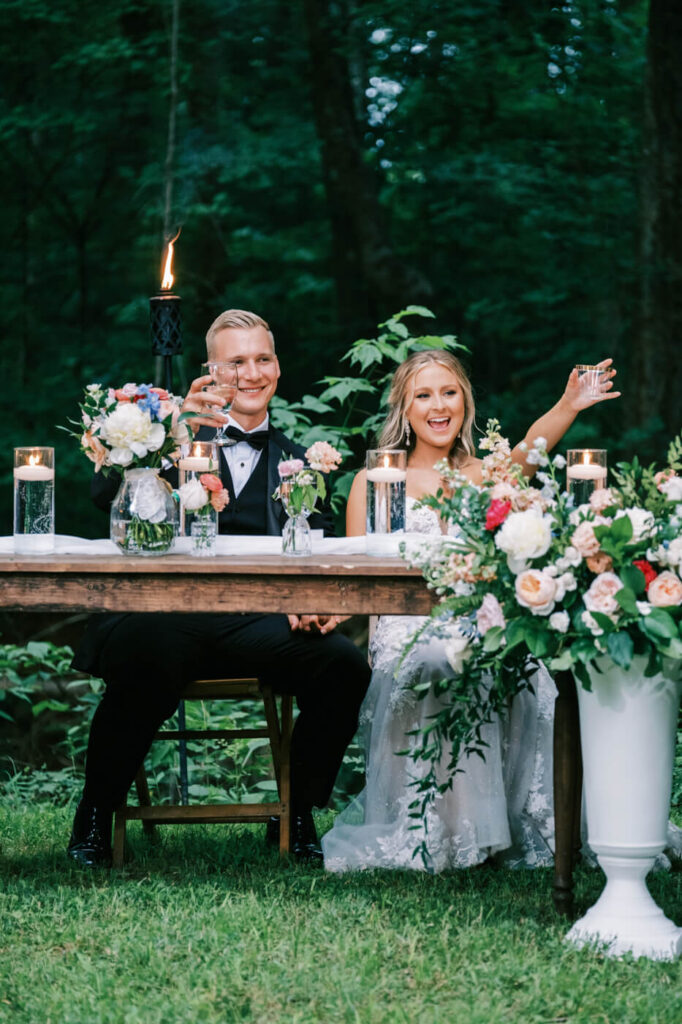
(394, 432)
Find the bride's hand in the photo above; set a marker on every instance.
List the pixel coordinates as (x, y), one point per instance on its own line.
(578, 397)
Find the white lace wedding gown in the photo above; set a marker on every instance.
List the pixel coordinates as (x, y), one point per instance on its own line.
(501, 806)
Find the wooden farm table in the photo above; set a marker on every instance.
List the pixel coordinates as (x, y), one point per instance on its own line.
(330, 584)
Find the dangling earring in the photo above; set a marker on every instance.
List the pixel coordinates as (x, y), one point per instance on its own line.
(406, 427)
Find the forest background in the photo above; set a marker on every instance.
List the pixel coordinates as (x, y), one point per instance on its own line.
(512, 165)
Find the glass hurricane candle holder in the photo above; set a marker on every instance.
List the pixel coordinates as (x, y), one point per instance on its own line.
(196, 458)
(33, 500)
(386, 476)
(585, 472)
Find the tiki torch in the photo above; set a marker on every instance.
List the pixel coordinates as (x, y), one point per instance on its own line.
(166, 320)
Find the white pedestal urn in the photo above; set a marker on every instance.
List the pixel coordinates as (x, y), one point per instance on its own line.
(628, 725)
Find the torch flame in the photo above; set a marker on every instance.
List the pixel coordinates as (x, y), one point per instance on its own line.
(167, 280)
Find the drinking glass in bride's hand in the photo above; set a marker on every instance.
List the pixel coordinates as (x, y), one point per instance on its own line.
(225, 377)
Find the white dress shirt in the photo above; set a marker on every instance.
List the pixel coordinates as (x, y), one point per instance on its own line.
(241, 458)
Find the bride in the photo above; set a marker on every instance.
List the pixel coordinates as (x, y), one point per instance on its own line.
(498, 807)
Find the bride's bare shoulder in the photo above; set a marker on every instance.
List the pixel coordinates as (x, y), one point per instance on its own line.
(473, 469)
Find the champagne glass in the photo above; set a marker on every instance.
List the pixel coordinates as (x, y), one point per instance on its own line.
(225, 377)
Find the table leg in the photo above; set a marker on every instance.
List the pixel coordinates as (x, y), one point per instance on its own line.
(567, 790)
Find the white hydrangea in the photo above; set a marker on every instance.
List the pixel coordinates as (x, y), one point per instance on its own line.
(559, 621)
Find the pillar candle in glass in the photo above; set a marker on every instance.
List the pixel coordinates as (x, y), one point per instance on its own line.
(386, 475)
(197, 458)
(33, 500)
(585, 472)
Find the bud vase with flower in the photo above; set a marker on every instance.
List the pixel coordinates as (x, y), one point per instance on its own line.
(301, 484)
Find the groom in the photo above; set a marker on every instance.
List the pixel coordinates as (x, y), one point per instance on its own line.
(147, 659)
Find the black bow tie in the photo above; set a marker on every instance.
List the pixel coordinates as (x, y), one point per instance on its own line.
(258, 439)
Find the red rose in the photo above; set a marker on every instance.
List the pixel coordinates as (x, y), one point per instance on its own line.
(647, 568)
(497, 513)
(211, 482)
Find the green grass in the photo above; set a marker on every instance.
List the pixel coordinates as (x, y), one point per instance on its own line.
(205, 925)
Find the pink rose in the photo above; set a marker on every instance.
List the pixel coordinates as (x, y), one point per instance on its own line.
(600, 596)
(211, 482)
(94, 449)
(289, 467)
(220, 499)
(601, 499)
(323, 457)
(584, 540)
(599, 563)
(666, 590)
(661, 477)
(536, 590)
(489, 614)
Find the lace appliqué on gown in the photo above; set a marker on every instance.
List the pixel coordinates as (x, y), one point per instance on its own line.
(501, 806)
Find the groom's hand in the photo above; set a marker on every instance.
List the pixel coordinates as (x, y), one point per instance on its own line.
(315, 623)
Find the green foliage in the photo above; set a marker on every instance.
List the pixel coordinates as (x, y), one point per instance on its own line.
(350, 410)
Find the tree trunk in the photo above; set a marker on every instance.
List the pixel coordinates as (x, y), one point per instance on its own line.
(657, 362)
(371, 281)
(168, 171)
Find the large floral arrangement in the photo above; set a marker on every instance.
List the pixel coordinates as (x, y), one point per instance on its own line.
(527, 576)
(134, 426)
(303, 483)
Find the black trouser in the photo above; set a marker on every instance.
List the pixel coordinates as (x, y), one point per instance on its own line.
(147, 659)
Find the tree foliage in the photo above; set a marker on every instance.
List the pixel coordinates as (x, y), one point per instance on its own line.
(490, 172)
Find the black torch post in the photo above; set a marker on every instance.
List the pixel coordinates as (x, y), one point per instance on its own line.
(166, 321)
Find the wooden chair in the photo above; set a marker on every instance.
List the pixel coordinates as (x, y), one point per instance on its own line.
(277, 730)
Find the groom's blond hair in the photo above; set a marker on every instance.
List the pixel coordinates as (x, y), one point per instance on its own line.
(241, 318)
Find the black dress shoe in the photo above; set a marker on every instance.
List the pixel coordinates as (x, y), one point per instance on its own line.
(305, 845)
(90, 842)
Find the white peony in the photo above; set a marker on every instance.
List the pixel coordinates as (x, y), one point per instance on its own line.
(673, 554)
(193, 495)
(643, 522)
(130, 432)
(672, 488)
(522, 536)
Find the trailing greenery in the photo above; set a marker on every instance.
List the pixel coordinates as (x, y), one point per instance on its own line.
(207, 925)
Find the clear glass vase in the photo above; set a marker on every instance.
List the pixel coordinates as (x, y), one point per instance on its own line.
(203, 531)
(296, 536)
(144, 516)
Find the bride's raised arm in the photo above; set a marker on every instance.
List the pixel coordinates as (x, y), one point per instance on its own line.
(554, 424)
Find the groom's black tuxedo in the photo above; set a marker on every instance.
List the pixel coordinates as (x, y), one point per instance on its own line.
(147, 659)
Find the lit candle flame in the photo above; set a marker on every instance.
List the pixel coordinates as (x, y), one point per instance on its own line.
(197, 451)
(167, 280)
(34, 460)
(387, 461)
(587, 458)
